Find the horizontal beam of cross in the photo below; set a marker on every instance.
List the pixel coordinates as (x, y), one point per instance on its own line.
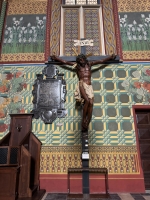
(91, 58)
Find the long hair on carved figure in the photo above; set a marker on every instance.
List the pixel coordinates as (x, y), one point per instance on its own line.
(81, 56)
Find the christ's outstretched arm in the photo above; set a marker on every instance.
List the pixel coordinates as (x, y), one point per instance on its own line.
(112, 57)
(61, 60)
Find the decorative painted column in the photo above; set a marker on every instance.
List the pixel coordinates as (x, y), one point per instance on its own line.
(2, 17)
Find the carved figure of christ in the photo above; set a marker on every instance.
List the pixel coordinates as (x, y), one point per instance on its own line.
(83, 70)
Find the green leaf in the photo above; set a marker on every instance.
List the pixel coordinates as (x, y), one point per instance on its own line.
(14, 106)
(146, 78)
(139, 97)
(132, 90)
(126, 88)
(14, 111)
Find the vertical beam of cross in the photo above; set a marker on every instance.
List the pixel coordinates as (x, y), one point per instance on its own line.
(83, 48)
(85, 162)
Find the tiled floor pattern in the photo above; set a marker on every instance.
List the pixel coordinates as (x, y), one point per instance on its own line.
(118, 196)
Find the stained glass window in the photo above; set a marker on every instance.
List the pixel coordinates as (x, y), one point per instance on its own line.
(71, 31)
(91, 30)
(70, 2)
(78, 21)
(80, 2)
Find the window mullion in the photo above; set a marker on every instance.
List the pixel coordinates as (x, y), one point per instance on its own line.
(101, 31)
(62, 33)
(81, 23)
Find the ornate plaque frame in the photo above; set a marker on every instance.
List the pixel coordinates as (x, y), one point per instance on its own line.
(49, 95)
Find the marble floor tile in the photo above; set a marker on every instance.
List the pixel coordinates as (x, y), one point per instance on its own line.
(146, 197)
(137, 196)
(125, 196)
(117, 196)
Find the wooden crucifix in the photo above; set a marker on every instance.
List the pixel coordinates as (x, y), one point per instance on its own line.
(82, 66)
(84, 92)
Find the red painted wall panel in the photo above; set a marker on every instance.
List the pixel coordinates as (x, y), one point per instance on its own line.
(117, 183)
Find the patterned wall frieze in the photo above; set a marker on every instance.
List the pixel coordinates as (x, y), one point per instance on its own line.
(133, 5)
(109, 30)
(118, 160)
(19, 57)
(61, 149)
(117, 149)
(27, 7)
(116, 163)
(59, 159)
(136, 55)
(55, 27)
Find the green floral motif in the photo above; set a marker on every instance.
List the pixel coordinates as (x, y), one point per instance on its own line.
(10, 87)
(139, 85)
(14, 107)
(17, 84)
(19, 38)
(135, 36)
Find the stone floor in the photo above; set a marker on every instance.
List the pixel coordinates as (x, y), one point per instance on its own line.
(117, 196)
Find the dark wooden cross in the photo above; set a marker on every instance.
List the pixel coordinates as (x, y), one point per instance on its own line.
(85, 150)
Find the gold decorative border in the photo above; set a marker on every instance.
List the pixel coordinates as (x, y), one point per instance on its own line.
(17, 7)
(55, 27)
(117, 159)
(131, 6)
(109, 149)
(109, 29)
(22, 57)
(136, 55)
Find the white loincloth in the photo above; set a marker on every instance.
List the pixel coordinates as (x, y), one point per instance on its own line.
(88, 90)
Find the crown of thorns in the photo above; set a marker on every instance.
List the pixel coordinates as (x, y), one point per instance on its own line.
(81, 56)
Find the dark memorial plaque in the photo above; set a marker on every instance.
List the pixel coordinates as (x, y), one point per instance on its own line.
(49, 95)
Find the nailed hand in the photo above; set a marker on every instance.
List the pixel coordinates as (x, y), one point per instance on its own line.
(113, 56)
(53, 57)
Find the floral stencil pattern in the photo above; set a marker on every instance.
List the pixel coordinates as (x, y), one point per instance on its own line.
(139, 85)
(22, 37)
(11, 85)
(136, 35)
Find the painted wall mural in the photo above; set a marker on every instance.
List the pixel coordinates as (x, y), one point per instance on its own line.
(24, 34)
(12, 85)
(135, 31)
(139, 85)
(111, 130)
